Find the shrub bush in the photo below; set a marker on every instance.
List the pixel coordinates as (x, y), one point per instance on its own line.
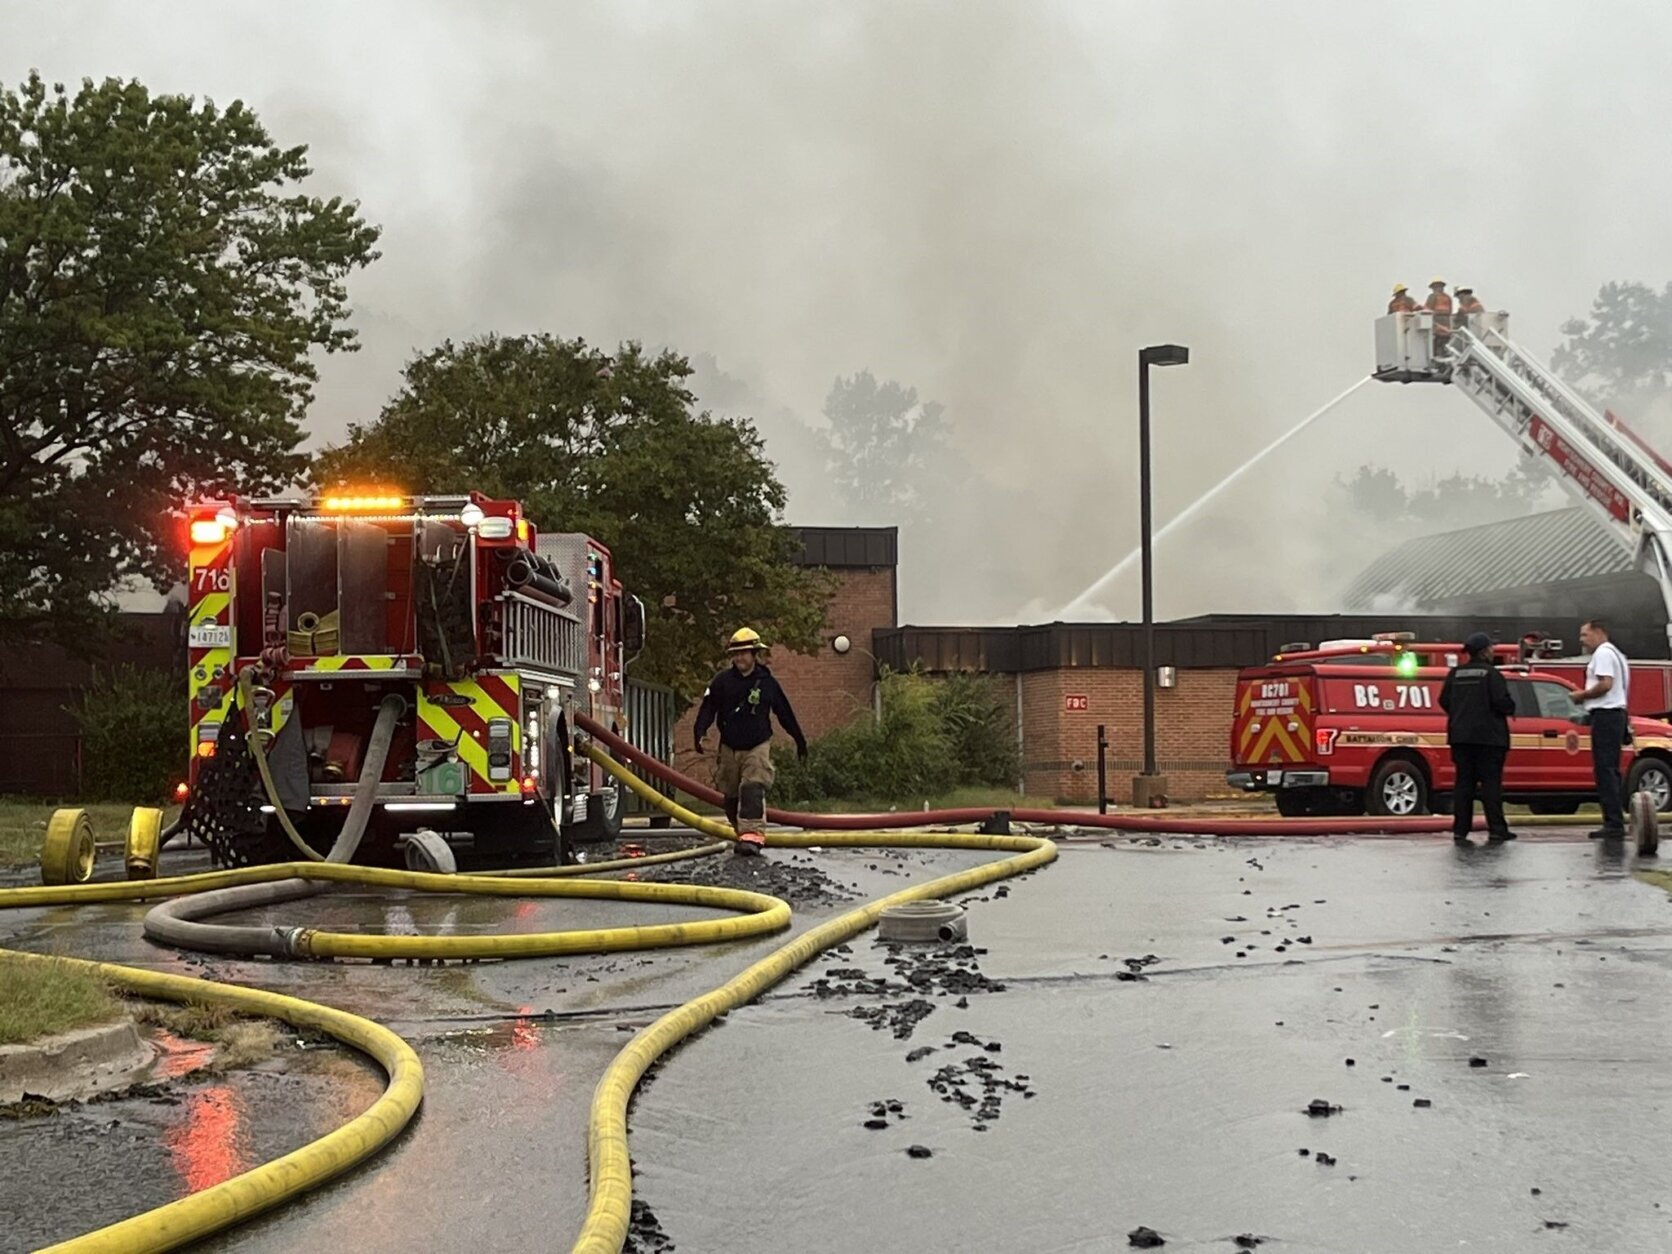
(133, 735)
(933, 735)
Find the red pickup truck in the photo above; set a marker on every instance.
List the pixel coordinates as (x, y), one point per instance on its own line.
(1357, 727)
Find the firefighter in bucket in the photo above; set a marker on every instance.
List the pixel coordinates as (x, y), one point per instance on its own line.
(742, 699)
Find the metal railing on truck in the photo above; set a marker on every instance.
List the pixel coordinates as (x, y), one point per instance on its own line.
(652, 710)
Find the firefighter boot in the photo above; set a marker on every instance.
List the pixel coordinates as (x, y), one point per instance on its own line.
(751, 824)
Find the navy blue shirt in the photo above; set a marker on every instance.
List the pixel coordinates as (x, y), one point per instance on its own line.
(743, 705)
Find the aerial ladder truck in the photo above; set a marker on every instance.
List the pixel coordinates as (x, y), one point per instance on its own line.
(1600, 462)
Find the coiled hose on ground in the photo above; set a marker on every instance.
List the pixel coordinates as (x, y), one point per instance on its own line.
(178, 922)
(609, 1209)
(235, 1200)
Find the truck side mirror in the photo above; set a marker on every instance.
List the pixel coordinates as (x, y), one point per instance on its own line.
(632, 627)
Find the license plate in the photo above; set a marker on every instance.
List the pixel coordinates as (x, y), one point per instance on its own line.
(211, 636)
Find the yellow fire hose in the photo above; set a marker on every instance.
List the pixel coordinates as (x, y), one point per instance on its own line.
(220, 1206)
(605, 1228)
(610, 1206)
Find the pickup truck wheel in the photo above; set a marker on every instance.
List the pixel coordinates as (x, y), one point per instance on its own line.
(1398, 789)
(1653, 776)
(1300, 803)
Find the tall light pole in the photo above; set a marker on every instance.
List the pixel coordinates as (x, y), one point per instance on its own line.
(1149, 785)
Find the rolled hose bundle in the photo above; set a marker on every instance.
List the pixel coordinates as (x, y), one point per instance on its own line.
(315, 635)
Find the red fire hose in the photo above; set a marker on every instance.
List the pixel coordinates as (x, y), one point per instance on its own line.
(1148, 823)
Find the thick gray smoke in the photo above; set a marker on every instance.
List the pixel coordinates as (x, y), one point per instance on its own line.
(995, 203)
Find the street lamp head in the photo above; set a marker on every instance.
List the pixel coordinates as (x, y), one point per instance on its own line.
(1164, 355)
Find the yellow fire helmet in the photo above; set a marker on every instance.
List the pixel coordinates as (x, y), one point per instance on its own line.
(1398, 288)
(1436, 282)
(744, 640)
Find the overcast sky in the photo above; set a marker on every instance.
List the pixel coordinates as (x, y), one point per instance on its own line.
(995, 203)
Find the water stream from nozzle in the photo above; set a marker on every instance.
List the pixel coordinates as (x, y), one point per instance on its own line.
(1202, 502)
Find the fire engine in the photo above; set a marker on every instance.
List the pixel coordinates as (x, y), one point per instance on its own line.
(444, 637)
(1356, 725)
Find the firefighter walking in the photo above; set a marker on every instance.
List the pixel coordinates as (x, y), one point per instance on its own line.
(742, 699)
(1478, 705)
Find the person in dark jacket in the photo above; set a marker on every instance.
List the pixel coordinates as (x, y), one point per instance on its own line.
(1478, 705)
(742, 699)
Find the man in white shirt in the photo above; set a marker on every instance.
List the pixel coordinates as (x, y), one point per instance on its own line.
(1607, 685)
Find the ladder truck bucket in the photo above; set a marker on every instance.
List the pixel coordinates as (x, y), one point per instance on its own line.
(1408, 350)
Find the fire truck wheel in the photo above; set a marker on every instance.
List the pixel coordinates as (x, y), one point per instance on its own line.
(1398, 789)
(1653, 776)
(67, 849)
(604, 812)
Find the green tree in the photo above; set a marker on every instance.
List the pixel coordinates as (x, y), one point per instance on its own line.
(614, 446)
(885, 446)
(1622, 350)
(162, 284)
(133, 735)
(1375, 492)
(1375, 495)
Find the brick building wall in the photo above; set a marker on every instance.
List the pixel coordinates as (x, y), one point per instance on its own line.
(1192, 732)
(826, 688)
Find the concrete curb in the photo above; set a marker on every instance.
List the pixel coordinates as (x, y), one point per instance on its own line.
(75, 1064)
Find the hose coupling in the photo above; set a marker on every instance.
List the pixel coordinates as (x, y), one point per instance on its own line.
(296, 942)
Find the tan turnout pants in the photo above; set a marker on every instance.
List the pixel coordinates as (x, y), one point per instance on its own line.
(742, 776)
(736, 767)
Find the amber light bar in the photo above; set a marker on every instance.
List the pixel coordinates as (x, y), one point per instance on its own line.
(363, 504)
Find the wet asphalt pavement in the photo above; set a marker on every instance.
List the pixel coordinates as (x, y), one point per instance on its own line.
(1132, 1038)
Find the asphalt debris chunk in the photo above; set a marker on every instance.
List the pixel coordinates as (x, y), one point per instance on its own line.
(919, 1151)
(1422, 1103)
(799, 884)
(1318, 1108)
(977, 1084)
(1145, 1239)
(1477, 1062)
(644, 1232)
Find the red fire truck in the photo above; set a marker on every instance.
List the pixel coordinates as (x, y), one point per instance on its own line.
(308, 615)
(1355, 725)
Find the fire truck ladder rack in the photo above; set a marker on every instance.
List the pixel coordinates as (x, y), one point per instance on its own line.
(1600, 462)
